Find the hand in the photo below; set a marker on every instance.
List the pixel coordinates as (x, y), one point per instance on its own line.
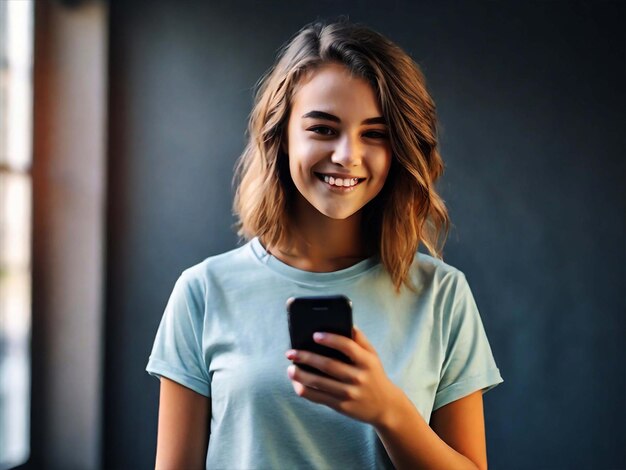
(360, 390)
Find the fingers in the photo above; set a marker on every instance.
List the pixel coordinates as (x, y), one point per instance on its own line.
(314, 382)
(314, 395)
(353, 348)
(339, 342)
(337, 369)
(359, 390)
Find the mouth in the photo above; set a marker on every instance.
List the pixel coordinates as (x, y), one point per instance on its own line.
(337, 182)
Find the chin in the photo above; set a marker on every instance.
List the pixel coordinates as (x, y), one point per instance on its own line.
(337, 214)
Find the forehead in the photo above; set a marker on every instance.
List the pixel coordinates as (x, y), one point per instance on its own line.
(333, 87)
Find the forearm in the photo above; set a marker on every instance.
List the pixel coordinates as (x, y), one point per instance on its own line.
(411, 443)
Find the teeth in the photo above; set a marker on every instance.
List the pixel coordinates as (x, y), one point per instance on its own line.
(341, 182)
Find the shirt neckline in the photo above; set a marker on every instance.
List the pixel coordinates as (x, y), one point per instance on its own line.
(310, 277)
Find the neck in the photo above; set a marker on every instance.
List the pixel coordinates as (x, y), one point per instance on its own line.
(319, 243)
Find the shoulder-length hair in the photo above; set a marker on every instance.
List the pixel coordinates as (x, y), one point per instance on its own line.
(408, 210)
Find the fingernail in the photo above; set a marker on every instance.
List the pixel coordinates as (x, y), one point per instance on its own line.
(291, 354)
(319, 336)
(291, 370)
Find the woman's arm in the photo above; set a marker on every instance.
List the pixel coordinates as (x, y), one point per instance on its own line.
(184, 423)
(461, 424)
(454, 439)
(363, 391)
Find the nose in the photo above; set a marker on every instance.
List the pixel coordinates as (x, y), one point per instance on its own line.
(349, 151)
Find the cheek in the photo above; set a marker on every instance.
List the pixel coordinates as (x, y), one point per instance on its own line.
(302, 157)
(383, 167)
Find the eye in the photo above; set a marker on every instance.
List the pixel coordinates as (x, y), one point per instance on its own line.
(322, 130)
(376, 134)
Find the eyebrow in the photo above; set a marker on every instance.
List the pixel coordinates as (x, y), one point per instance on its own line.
(332, 117)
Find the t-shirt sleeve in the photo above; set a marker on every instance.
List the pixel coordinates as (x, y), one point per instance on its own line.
(177, 351)
(468, 364)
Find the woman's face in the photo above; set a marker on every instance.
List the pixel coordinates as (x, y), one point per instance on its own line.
(337, 142)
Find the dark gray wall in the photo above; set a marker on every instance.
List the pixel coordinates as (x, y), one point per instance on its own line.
(531, 100)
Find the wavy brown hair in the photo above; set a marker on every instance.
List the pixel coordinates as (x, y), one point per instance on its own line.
(408, 210)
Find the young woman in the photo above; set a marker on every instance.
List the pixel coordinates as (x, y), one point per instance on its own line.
(336, 191)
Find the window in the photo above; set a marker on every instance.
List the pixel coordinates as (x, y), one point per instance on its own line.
(16, 57)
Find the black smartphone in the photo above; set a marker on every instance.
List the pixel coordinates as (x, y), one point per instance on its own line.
(306, 315)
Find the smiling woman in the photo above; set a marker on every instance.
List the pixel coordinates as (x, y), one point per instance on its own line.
(350, 157)
(402, 119)
(336, 191)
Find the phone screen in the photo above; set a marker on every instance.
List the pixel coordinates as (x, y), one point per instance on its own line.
(306, 315)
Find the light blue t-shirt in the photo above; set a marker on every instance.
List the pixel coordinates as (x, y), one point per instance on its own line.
(224, 335)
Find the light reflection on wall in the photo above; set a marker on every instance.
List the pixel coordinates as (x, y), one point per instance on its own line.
(16, 38)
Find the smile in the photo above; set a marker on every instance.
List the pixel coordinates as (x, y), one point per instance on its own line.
(335, 182)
